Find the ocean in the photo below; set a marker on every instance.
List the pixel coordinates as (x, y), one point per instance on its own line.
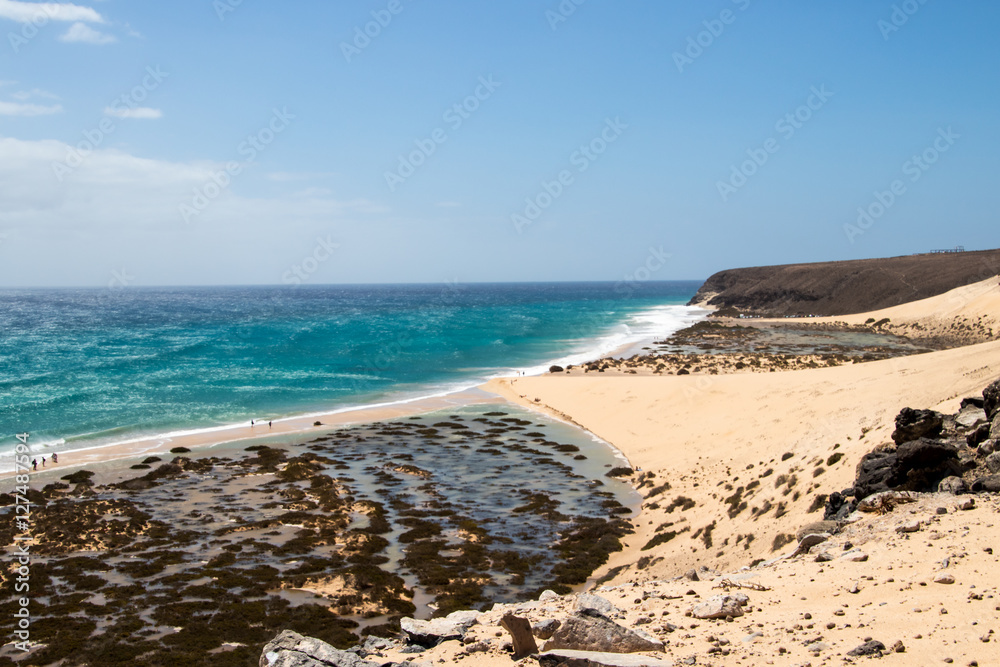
(81, 368)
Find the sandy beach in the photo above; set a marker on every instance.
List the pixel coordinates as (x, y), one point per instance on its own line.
(785, 439)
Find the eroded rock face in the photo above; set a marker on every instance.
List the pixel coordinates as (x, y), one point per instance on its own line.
(591, 631)
(912, 424)
(290, 649)
(520, 633)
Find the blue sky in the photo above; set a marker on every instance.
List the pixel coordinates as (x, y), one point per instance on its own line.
(201, 142)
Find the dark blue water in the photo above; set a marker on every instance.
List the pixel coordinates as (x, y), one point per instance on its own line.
(91, 366)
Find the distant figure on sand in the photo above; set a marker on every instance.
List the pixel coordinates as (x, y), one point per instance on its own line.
(43, 461)
(34, 464)
(251, 423)
(55, 458)
(269, 424)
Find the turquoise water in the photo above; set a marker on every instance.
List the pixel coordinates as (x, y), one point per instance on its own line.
(85, 367)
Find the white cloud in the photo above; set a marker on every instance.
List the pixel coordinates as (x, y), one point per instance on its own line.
(25, 95)
(84, 34)
(145, 113)
(26, 12)
(116, 209)
(19, 109)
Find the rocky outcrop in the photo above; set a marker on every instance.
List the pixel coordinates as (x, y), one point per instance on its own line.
(590, 630)
(913, 424)
(522, 640)
(290, 649)
(914, 466)
(842, 288)
(991, 400)
(431, 633)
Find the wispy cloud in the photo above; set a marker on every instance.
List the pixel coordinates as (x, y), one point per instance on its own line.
(25, 95)
(25, 12)
(289, 177)
(145, 113)
(21, 109)
(84, 34)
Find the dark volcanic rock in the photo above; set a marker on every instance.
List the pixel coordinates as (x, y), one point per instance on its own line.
(842, 288)
(868, 648)
(915, 466)
(973, 401)
(556, 369)
(974, 438)
(912, 424)
(837, 507)
(991, 399)
(989, 484)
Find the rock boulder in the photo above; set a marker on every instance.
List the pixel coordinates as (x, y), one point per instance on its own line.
(590, 631)
(991, 399)
(431, 633)
(918, 465)
(912, 424)
(290, 649)
(720, 606)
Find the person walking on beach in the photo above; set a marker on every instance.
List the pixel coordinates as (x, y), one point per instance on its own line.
(269, 424)
(251, 423)
(55, 458)
(43, 461)
(34, 464)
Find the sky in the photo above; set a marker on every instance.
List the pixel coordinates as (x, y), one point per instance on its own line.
(212, 142)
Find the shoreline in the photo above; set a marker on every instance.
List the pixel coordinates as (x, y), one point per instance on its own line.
(205, 440)
(293, 426)
(662, 424)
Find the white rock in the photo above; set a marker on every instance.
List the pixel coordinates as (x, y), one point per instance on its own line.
(719, 606)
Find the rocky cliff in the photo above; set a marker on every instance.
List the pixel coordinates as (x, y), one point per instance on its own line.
(841, 288)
